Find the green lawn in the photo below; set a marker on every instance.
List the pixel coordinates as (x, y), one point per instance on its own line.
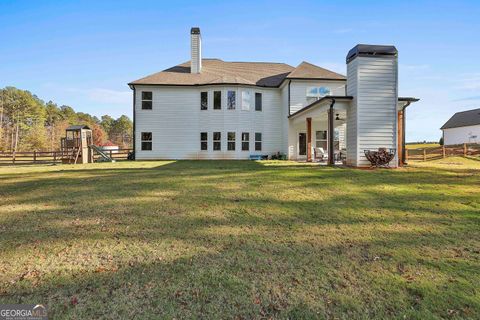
(421, 145)
(242, 240)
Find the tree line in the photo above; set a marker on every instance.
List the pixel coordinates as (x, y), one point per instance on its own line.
(27, 123)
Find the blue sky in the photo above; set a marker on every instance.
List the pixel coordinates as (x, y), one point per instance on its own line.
(83, 53)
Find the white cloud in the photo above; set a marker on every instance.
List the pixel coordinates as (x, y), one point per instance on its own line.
(110, 96)
(104, 96)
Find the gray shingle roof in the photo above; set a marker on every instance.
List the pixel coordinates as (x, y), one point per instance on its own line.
(463, 119)
(77, 127)
(216, 71)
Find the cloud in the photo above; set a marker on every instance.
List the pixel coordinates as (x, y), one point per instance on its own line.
(468, 98)
(103, 96)
(469, 81)
(110, 96)
(414, 67)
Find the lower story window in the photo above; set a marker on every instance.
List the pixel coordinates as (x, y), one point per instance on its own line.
(245, 141)
(258, 141)
(203, 141)
(217, 143)
(231, 141)
(146, 141)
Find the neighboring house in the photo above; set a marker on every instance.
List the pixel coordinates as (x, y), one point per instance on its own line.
(213, 109)
(462, 127)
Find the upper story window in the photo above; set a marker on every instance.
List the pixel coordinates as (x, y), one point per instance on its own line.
(204, 100)
(147, 100)
(217, 100)
(146, 141)
(315, 93)
(245, 100)
(231, 100)
(258, 101)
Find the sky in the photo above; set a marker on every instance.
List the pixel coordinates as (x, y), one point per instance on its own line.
(83, 53)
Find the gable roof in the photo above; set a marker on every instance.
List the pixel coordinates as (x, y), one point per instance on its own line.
(306, 70)
(463, 119)
(216, 71)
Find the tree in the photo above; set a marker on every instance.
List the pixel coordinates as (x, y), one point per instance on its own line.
(107, 123)
(121, 131)
(99, 135)
(441, 141)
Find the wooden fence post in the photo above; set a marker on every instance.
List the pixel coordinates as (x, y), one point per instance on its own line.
(406, 155)
(424, 154)
(443, 151)
(34, 156)
(110, 154)
(54, 156)
(464, 149)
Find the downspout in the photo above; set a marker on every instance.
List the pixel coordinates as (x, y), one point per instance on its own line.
(403, 131)
(134, 136)
(331, 135)
(289, 82)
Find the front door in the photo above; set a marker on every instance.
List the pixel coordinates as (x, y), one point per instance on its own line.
(302, 144)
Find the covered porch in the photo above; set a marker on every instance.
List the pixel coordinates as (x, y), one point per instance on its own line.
(318, 132)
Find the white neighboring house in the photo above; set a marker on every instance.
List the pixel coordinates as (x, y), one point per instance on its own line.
(462, 127)
(213, 109)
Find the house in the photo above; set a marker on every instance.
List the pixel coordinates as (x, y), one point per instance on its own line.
(214, 109)
(462, 127)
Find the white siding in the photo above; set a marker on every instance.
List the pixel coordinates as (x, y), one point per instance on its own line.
(352, 88)
(468, 134)
(176, 122)
(375, 103)
(298, 91)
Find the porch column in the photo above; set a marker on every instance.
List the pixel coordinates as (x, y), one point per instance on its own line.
(331, 135)
(309, 139)
(400, 139)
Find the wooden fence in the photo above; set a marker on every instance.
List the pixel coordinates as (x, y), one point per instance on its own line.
(49, 157)
(426, 154)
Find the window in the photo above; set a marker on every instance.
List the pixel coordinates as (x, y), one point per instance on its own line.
(217, 100)
(146, 141)
(315, 93)
(203, 100)
(258, 141)
(245, 100)
(321, 139)
(146, 100)
(231, 141)
(245, 141)
(203, 141)
(258, 101)
(217, 144)
(231, 100)
(318, 92)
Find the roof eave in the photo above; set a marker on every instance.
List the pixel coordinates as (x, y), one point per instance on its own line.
(326, 98)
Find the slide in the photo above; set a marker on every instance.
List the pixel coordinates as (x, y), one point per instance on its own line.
(103, 155)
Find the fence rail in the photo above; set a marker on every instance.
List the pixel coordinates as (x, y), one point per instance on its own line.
(426, 154)
(50, 157)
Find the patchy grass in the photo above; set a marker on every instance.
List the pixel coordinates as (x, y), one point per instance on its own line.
(233, 239)
(421, 145)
